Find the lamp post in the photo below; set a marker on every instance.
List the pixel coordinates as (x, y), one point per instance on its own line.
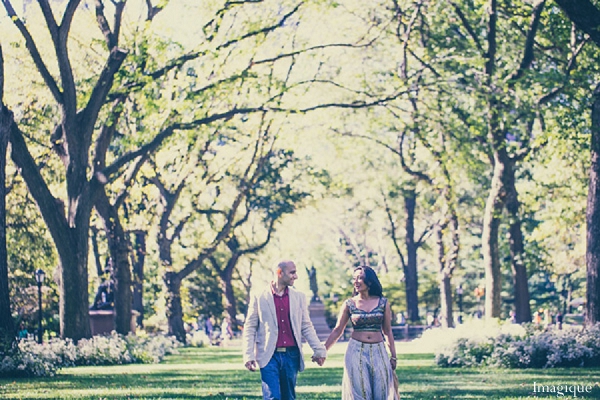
(39, 278)
(459, 292)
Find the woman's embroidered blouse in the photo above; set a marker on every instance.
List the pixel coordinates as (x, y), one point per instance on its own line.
(363, 321)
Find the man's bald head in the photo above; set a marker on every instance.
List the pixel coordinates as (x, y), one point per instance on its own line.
(283, 266)
(285, 273)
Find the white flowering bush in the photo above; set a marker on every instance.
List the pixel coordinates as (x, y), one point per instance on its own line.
(103, 350)
(198, 339)
(18, 364)
(528, 348)
(590, 338)
(465, 352)
(151, 349)
(33, 359)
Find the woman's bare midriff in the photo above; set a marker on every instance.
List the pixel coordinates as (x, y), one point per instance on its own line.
(367, 337)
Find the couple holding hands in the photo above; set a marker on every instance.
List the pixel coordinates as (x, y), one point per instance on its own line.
(278, 319)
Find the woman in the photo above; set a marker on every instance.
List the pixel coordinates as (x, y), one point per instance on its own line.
(368, 372)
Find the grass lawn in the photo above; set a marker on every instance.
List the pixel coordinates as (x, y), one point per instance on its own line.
(217, 373)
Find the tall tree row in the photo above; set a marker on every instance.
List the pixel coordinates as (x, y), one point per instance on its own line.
(459, 99)
(91, 124)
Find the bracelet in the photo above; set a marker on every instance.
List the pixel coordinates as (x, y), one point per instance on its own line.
(393, 358)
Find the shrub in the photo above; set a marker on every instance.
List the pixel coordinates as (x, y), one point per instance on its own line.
(529, 348)
(33, 359)
(20, 364)
(198, 339)
(590, 338)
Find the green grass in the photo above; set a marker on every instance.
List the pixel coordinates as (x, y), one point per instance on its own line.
(217, 373)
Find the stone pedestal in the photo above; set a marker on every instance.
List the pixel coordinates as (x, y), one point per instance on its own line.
(316, 310)
(102, 322)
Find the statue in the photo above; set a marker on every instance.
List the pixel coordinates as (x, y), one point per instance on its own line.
(105, 297)
(312, 275)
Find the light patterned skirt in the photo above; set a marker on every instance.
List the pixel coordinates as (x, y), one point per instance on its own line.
(367, 373)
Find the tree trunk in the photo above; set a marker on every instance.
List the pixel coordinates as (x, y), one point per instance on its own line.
(592, 258)
(489, 248)
(7, 329)
(226, 276)
(520, 278)
(410, 269)
(73, 284)
(96, 251)
(138, 275)
(70, 236)
(119, 254)
(174, 308)
(445, 282)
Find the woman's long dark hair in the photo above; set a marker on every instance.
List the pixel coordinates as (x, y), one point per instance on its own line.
(371, 280)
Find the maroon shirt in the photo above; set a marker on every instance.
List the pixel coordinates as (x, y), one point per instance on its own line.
(285, 336)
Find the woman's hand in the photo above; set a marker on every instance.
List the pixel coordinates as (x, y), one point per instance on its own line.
(393, 362)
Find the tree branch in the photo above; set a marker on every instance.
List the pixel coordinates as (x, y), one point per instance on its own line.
(468, 27)
(50, 20)
(585, 14)
(264, 30)
(260, 246)
(393, 229)
(89, 114)
(153, 10)
(52, 209)
(168, 131)
(109, 37)
(33, 51)
(529, 44)
(65, 25)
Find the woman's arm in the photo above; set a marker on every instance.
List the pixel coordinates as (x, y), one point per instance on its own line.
(337, 331)
(387, 331)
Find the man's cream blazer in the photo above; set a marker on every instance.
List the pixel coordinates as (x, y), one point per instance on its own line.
(260, 328)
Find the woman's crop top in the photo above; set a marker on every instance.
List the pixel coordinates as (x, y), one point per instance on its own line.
(363, 321)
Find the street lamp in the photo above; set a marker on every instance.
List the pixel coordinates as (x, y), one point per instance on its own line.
(39, 278)
(459, 292)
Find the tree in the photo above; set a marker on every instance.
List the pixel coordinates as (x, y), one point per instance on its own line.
(268, 200)
(230, 187)
(71, 137)
(586, 16)
(83, 104)
(514, 107)
(7, 329)
(593, 220)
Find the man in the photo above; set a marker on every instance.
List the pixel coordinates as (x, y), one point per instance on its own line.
(276, 322)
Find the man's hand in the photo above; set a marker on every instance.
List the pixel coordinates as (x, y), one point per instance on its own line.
(251, 365)
(319, 360)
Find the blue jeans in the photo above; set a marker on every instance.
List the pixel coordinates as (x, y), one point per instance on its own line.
(279, 375)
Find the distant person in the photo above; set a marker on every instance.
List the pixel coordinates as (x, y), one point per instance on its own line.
(400, 319)
(23, 333)
(226, 330)
(547, 318)
(208, 327)
(368, 370)
(559, 320)
(277, 321)
(429, 319)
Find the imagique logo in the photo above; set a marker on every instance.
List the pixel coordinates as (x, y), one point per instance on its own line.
(562, 390)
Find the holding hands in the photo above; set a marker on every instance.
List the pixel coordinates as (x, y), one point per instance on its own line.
(319, 360)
